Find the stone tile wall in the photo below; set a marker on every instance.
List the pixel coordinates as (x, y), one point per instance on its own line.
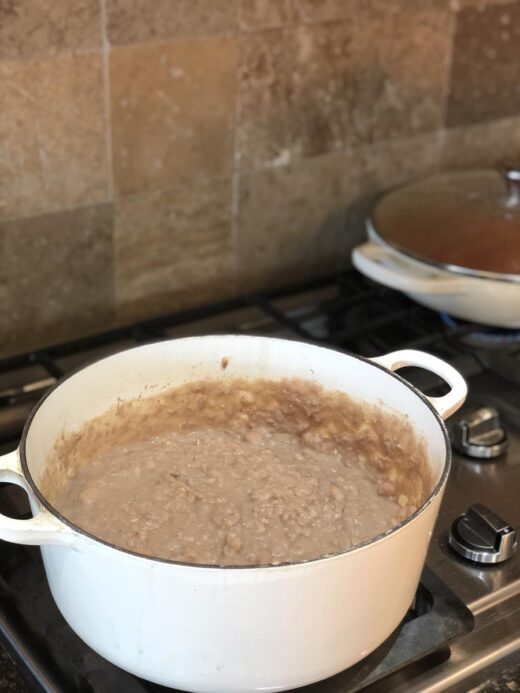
(162, 153)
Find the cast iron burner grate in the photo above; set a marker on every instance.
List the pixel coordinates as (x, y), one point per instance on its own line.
(344, 311)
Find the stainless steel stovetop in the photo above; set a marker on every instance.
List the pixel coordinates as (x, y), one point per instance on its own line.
(492, 593)
(465, 624)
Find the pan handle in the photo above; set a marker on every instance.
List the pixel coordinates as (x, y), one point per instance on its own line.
(44, 528)
(385, 267)
(446, 405)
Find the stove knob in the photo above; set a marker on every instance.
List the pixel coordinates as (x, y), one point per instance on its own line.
(480, 434)
(481, 536)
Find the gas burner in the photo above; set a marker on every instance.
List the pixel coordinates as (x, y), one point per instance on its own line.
(482, 336)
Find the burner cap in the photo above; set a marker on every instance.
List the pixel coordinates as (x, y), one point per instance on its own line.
(482, 537)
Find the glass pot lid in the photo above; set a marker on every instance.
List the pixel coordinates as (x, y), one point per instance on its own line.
(466, 222)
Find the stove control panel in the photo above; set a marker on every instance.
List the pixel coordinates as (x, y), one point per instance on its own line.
(480, 434)
(482, 537)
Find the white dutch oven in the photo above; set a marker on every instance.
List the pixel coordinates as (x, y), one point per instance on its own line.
(481, 299)
(452, 243)
(229, 629)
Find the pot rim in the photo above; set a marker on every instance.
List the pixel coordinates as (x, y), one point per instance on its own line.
(452, 269)
(364, 544)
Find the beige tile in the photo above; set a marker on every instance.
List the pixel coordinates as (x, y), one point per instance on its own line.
(266, 14)
(174, 248)
(379, 76)
(142, 21)
(482, 145)
(266, 133)
(58, 276)
(484, 81)
(39, 28)
(291, 220)
(173, 109)
(324, 10)
(52, 135)
(385, 165)
(296, 220)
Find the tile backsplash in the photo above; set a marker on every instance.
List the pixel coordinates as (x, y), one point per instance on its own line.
(156, 154)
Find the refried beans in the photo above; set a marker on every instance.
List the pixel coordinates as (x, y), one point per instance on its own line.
(239, 472)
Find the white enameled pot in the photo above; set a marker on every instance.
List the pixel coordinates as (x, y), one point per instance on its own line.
(230, 629)
(450, 242)
(489, 300)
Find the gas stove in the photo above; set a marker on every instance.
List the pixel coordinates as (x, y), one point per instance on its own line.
(464, 624)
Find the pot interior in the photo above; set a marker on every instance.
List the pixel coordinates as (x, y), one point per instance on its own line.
(145, 371)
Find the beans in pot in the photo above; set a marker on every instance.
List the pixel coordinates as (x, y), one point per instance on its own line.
(240, 473)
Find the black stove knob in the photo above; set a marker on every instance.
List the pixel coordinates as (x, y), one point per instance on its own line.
(480, 434)
(481, 536)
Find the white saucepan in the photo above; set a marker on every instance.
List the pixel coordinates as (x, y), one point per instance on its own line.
(452, 243)
(489, 300)
(230, 629)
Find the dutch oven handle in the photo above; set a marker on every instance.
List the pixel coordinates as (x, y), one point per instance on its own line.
(44, 528)
(384, 267)
(446, 405)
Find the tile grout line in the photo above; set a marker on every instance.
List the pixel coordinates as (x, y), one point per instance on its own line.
(235, 180)
(441, 136)
(106, 97)
(449, 64)
(235, 192)
(37, 214)
(110, 167)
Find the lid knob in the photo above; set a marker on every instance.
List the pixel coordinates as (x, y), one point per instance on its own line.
(509, 169)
